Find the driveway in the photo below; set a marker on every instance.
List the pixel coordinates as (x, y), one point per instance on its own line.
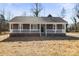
(73, 34)
(2, 37)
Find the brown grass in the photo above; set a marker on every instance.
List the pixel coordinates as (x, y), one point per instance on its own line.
(3, 33)
(40, 46)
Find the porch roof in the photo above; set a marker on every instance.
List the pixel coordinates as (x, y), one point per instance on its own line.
(29, 19)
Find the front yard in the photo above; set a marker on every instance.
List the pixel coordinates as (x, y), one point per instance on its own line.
(39, 46)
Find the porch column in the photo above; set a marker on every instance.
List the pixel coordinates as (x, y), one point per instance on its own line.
(40, 29)
(55, 28)
(10, 28)
(64, 28)
(45, 29)
(20, 27)
(30, 28)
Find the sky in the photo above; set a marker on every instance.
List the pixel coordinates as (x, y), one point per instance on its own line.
(18, 9)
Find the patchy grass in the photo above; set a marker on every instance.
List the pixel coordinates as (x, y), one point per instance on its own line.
(56, 46)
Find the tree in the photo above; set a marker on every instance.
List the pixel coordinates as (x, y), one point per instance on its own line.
(76, 15)
(2, 22)
(63, 11)
(75, 24)
(24, 13)
(49, 15)
(9, 15)
(36, 9)
(2, 11)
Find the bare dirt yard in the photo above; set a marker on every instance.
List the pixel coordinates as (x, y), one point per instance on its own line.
(25, 46)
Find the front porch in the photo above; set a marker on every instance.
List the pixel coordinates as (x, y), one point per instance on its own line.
(41, 29)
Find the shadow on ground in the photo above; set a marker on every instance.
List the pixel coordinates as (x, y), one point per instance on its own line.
(37, 38)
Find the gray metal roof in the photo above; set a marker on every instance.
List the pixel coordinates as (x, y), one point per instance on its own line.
(29, 19)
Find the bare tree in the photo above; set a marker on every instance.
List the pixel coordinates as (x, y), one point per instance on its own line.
(76, 16)
(9, 15)
(2, 22)
(24, 13)
(2, 12)
(36, 9)
(63, 11)
(75, 24)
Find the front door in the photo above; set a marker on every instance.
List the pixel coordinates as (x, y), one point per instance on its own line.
(43, 29)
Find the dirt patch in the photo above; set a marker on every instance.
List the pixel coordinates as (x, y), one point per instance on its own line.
(73, 34)
(23, 46)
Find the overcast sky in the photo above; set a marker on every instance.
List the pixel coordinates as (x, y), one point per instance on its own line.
(17, 9)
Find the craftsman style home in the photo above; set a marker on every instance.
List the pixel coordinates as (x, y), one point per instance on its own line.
(41, 26)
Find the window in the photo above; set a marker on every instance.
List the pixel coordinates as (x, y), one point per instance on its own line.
(15, 26)
(35, 26)
(60, 26)
(50, 26)
(26, 26)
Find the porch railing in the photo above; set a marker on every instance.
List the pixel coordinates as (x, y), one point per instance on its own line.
(37, 30)
(24, 30)
(50, 30)
(14, 30)
(55, 30)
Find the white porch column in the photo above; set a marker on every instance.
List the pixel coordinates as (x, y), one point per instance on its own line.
(64, 28)
(30, 28)
(45, 29)
(40, 29)
(55, 28)
(20, 27)
(10, 28)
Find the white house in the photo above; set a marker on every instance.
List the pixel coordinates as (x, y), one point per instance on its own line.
(37, 25)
